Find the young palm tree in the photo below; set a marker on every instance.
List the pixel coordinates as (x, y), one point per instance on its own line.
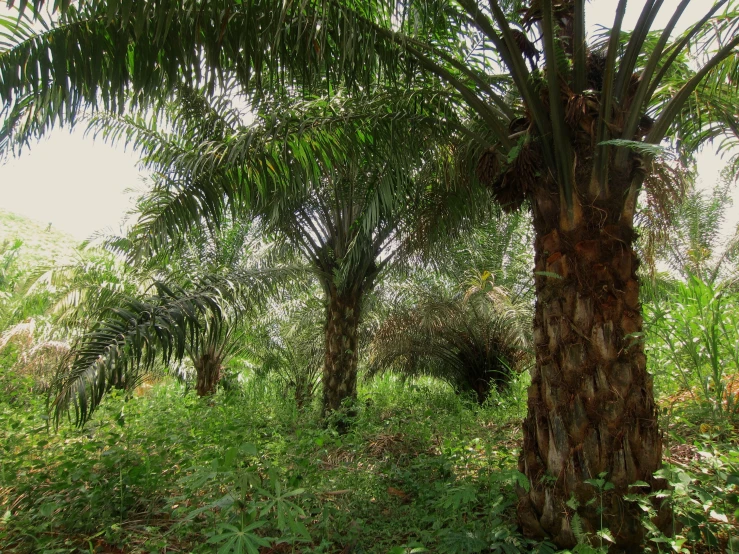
(124, 319)
(138, 332)
(696, 246)
(572, 129)
(288, 344)
(476, 342)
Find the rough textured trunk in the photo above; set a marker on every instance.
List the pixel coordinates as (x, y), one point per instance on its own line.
(590, 405)
(340, 367)
(208, 373)
(303, 391)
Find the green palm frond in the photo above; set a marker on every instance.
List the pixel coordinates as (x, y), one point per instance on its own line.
(163, 326)
(696, 245)
(338, 178)
(289, 344)
(137, 59)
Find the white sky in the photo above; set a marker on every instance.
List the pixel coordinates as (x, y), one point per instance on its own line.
(71, 181)
(79, 185)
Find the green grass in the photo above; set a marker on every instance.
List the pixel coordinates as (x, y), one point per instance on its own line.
(420, 470)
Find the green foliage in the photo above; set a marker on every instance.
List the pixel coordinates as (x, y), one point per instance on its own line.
(161, 470)
(18, 300)
(693, 338)
(287, 346)
(696, 245)
(476, 342)
(451, 480)
(703, 496)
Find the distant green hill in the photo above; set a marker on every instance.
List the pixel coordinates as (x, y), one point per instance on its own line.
(41, 244)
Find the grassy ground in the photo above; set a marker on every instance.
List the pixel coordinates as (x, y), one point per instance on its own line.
(244, 471)
(41, 245)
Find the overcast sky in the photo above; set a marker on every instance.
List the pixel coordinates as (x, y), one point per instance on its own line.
(80, 185)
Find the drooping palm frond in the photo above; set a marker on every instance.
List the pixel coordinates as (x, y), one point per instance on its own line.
(665, 189)
(325, 45)
(499, 245)
(88, 287)
(337, 178)
(475, 342)
(164, 326)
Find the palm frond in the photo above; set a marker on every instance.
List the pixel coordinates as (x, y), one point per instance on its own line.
(475, 342)
(164, 326)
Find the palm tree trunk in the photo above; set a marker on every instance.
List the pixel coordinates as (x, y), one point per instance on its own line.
(591, 406)
(303, 392)
(340, 367)
(208, 373)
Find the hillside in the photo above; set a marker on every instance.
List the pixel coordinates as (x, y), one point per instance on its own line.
(41, 245)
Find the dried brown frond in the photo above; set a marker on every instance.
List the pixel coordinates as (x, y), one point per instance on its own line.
(526, 47)
(511, 189)
(388, 444)
(580, 111)
(596, 68)
(665, 185)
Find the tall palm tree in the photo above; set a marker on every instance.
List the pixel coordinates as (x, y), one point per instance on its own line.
(572, 129)
(351, 200)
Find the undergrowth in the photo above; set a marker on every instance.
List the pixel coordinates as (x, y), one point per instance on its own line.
(420, 470)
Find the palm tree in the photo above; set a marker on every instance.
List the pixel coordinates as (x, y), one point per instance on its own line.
(476, 342)
(124, 319)
(288, 344)
(139, 332)
(696, 247)
(570, 128)
(350, 199)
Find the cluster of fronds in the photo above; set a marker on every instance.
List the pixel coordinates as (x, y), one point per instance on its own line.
(164, 326)
(37, 354)
(477, 342)
(289, 344)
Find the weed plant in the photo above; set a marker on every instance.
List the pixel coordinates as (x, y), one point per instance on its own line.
(420, 470)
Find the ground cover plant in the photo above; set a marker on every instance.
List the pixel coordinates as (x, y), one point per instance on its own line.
(246, 470)
(421, 470)
(366, 123)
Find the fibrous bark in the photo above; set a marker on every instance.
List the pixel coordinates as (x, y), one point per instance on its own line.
(208, 373)
(340, 367)
(590, 405)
